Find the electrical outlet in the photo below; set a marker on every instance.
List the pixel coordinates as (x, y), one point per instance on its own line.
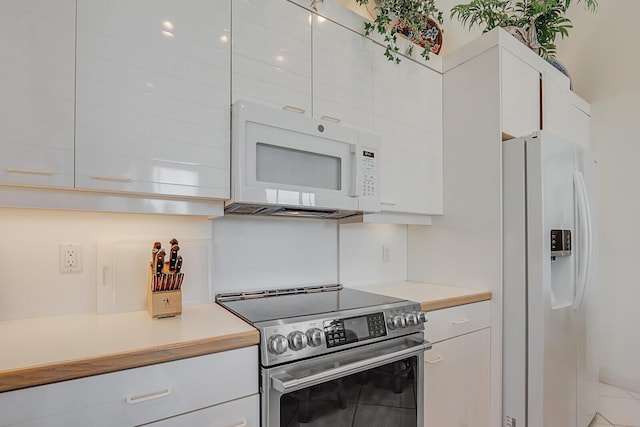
(386, 253)
(70, 258)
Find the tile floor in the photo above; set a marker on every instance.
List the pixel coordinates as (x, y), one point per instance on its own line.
(617, 407)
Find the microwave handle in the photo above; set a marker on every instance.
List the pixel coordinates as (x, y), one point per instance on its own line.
(356, 172)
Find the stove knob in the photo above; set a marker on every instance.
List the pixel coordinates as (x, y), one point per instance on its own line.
(314, 337)
(277, 344)
(399, 321)
(297, 340)
(412, 319)
(422, 317)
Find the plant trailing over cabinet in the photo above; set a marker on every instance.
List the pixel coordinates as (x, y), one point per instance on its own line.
(536, 23)
(407, 17)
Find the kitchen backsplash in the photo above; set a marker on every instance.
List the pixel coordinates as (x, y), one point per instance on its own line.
(246, 253)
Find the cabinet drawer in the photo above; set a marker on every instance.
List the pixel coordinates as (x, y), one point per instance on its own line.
(244, 412)
(455, 321)
(136, 396)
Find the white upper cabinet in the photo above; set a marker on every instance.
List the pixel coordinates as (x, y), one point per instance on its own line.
(407, 114)
(271, 58)
(152, 97)
(520, 96)
(37, 69)
(565, 114)
(342, 75)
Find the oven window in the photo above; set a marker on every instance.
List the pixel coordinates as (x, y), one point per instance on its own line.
(379, 397)
(282, 165)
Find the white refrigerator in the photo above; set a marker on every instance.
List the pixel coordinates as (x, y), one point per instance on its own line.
(550, 367)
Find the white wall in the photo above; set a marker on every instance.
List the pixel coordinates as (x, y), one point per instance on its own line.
(602, 57)
(247, 253)
(361, 253)
(259, 253)
(31, 284)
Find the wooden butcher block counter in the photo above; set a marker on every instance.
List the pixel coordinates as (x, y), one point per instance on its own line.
(431, 297)
(51, 349)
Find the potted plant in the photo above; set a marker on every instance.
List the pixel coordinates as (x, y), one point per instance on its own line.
(536, 23)
(414, 19)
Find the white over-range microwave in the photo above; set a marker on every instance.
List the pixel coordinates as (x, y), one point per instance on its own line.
(286, 164)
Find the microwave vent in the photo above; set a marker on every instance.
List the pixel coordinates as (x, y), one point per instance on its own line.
(246, 209)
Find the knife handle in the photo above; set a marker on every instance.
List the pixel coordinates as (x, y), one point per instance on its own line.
(173, 257)
(178, 266)
(160, 261)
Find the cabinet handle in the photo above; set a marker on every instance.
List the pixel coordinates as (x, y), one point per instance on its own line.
(293, 109)
(388, 203)
(30, 171)
(111, 178)
(132, 400)
(242, 423)
(460, 321)
(434, 361)
(330, 119)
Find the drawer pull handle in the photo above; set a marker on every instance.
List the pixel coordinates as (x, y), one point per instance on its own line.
(111, 178)
(388, 203)
(293, 109)
(330, 119)
(132, 400)
(434, 361)
(460, 321)
(242, 423)
(30, 171)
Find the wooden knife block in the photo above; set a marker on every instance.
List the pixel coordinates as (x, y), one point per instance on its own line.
(163, 303)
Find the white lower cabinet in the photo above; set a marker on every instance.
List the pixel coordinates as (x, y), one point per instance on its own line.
(243, 412)
(143, 395)
(457, 368)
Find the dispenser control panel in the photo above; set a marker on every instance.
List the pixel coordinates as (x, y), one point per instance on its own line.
(560, 243)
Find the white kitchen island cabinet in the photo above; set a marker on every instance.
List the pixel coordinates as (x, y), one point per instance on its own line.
(37, 78)
(217, 386)
(152, 97)
(457, 368)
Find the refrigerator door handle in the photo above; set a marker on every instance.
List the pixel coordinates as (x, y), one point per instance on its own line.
(584, 236)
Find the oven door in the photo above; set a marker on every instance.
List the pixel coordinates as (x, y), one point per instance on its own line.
(376, 385)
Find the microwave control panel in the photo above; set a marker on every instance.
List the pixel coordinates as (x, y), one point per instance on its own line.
(370, 173)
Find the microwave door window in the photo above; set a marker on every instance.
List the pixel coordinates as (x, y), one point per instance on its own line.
(283, 165)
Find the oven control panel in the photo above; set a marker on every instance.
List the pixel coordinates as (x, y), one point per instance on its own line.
(353, 329)
(284, 342)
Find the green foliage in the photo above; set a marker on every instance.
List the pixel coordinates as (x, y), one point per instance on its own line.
(412, 13)
(549, 17)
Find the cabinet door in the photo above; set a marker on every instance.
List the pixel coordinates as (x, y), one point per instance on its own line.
(564, 113)
(136, 396)
(520, 95)
(271, 57)
(342, 75)
(37, 78)
(407, 114)
(243, 412)
(457, 381)
(153, 81)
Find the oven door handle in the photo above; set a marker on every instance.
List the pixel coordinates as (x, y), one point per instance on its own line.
(289, 384)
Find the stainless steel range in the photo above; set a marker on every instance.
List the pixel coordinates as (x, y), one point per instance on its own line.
(336, 356)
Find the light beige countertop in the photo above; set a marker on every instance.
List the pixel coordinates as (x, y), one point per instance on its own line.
(430, 296)
(51, 349)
